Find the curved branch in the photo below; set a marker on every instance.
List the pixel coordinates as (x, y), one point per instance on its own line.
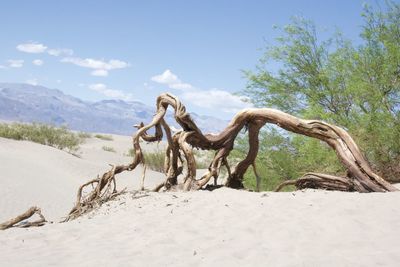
(360, 178)
(321, 181)
(337, 138)
(26, 215)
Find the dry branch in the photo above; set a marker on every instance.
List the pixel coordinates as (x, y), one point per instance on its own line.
(18, 221)
(359, 171)
(320, 181)
(360, 176)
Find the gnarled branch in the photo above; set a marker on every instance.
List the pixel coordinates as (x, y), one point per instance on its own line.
(18, 221)
(360, 176)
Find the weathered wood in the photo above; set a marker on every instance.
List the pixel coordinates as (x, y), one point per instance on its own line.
(360, 176)
(321, 181)
(16, 222)
(358, 169)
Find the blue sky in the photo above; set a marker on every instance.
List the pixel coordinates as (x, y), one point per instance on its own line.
(138, 49)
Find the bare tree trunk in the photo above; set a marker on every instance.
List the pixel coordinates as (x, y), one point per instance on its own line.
(360, 176)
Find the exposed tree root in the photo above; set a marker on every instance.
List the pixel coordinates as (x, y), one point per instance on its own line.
(18, 221)
(321, 181)
(103, 190)
(360, 175)
(179, 157)
(179, 154)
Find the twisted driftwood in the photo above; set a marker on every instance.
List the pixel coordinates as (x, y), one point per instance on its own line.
(18, 221)
(360, 177)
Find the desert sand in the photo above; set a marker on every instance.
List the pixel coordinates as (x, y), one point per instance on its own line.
(223, 227)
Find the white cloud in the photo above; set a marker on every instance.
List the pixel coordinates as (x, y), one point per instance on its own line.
(32, 82)
(216, 99)
(211, 99)
(96, 64)
(101, 67)
(32, 47)
(2, 67)
(167, 77)
(181, 86)
(38, 62)
(100, 72)
(103, 89)
(170, 79)
(60, 52)
(15, 63)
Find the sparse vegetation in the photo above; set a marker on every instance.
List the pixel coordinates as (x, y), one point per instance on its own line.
(104, 137)
(84, 135)
(108, 149)
(203, 158)
(154, 160)
(58, 137)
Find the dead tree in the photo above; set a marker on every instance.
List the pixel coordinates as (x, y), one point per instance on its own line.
(360, 177)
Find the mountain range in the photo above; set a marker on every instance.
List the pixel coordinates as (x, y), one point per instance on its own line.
(30, 103)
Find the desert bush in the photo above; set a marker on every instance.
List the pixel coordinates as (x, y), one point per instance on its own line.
(155, 160)
(353, 86)
(104, 137)
(84, 135)
(58, 137)
(203, 158)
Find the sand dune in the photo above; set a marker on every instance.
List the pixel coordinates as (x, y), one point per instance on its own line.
(33, 174)
(224, 227)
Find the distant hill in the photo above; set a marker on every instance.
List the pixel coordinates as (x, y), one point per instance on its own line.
(29, 103)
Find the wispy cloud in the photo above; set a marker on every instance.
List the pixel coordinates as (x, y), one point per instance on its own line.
(38, 62)
(15, 63)
(60, 52)
(211, 99)
(32, 82)
(100, 72)
(101, 67)
(217, 99)
(112, 93)
(32, 47)
(171, 80)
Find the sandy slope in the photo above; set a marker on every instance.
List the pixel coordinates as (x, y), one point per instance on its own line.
(220, 228)
(33, 174)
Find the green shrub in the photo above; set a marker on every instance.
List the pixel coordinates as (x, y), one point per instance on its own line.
(203, 158)
(155, 160)
(60, 138)
(104, 137)
(84, 135)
